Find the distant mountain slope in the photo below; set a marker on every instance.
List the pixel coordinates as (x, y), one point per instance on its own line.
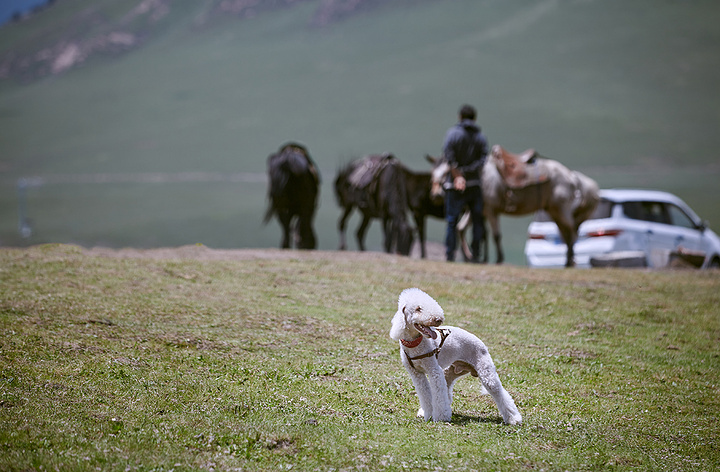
(19, 10)
(74, 31)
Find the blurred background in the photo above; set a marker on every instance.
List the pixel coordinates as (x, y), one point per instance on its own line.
(147, 123)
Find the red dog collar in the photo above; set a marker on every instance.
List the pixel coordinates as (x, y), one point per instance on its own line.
(414, 343)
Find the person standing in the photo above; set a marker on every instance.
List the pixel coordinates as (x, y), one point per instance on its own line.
(465, 149)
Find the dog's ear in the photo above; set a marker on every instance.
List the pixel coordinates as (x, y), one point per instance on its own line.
(399, 323)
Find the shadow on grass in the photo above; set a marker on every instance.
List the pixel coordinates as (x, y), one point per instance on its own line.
(462, 419)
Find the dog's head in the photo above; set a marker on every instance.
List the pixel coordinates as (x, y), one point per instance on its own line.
(418, 313)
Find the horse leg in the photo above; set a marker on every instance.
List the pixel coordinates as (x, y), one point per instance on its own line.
(479, 251)
(295, 233)
(306, 232)
(462, 226)
(362, 229)
(570, 261)
(477, 217)
(285, 221)
(569, 236)
(486, 246)
(497, 237)
(342, 222)
(402, 236)
(420, 224)
(561, 217)
(389, 231)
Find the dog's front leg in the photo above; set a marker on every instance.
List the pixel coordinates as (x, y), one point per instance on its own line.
(441, 408)
(422, 388)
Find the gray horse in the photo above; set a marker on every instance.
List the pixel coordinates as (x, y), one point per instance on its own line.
(521, 184)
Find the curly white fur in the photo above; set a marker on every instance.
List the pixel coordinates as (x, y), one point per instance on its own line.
(413, 326)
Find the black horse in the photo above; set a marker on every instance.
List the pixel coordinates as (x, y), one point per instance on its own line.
(375, 185)
(293, 194)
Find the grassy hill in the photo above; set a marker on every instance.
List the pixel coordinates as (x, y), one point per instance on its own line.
(626, 93)
(199, 359)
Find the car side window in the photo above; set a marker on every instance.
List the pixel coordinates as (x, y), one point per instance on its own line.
(646, 211)
(655, 212)
(679, 217)
(632, 210)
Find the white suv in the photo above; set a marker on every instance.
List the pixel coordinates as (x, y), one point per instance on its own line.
(650, 226)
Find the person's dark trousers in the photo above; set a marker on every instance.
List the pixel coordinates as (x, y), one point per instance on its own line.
(455, 202)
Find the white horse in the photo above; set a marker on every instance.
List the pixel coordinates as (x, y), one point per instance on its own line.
(521, 184)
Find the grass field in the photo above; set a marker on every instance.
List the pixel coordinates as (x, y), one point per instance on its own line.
(198, 359)
(626, 93)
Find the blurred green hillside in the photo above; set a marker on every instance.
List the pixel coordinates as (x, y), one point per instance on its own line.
(626, 92)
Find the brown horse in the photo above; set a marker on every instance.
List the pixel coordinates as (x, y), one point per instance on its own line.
(375, 185)
(521, 184)
(293, 194)
(421, 203)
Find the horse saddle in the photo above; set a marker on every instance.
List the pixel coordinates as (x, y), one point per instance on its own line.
(364, 174)
(520, 170)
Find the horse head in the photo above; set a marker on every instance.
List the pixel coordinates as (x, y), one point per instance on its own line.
(437, 178)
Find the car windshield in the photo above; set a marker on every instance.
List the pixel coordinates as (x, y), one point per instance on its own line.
(603, 210)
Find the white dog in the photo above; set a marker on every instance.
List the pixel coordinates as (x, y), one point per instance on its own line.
(436, 362)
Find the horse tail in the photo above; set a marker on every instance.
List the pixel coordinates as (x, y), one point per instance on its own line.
(277, 179)
(268, 213)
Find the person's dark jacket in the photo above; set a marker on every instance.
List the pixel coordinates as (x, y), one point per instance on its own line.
(466, 149)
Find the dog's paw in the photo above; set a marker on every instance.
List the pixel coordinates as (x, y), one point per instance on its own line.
(443, 415)
(514, 419)
(420, 413)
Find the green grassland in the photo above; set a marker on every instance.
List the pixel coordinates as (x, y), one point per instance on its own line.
(625, 92)
(198, 359)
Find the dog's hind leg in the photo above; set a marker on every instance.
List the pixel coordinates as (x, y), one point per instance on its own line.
(454, 372)
(505, 404)
(491, 381)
